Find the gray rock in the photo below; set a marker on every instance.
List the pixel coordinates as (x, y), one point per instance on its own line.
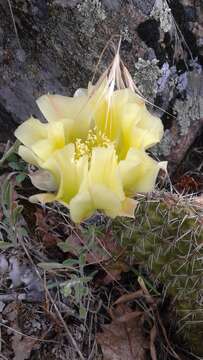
(112, 4)
(145, 6)
(61, 42)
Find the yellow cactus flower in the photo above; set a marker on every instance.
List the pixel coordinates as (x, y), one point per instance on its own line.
(92, 150)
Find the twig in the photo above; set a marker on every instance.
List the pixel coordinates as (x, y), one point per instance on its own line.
(28, 336)
(12, 297)
(20, 297)
(66, 327)
(14, 24)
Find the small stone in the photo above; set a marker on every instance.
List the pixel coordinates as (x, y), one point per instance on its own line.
(20, 55)
(190, 13)
(1, 36)
(15, 273)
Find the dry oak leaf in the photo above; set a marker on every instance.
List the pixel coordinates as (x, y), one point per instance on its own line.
(123, 338)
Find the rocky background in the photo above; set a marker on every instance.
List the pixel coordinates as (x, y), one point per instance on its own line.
(54, 46)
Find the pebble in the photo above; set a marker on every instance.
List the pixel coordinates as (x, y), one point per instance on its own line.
(3, 264)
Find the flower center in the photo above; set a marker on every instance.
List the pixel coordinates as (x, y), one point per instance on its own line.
(94, 138)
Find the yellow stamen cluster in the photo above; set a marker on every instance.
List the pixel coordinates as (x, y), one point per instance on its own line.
(94, 139)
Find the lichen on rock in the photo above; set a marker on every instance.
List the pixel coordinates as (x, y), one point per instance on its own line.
(92, 13)
(164, 148)
(126, 34)
(187, 112)
(146, 75)
(162, 12)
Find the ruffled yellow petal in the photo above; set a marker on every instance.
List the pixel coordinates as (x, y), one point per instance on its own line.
(68, 172)
(57, 107)
(142, 139)
(42, 149)
(41, 139)
(108, 113)
(106, 200)
(102, 190)
(138, 172)
(140, 129)
(152, 124)
(104, 170)
(28, 155)
(69, 131)
(56, 135)
(125, 120)
(131, 136)
(66, 176)
(129, 170)
(42, 198)
(31, 131)
(128, 208)
(81, 207)
(55, 140)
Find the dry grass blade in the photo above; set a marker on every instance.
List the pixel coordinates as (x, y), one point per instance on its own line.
(170, 349)
(153, 334)
(71, 338)
(14, 23)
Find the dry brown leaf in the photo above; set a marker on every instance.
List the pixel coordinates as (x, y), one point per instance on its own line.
(123, 340)
(22, 347)
(129, 297)
(49, 238)
(114, 271)
(129, 316)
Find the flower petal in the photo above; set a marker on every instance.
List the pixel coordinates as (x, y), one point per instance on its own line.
(109, 111)
(68, 172)
(31, 131)
(42, 198)
(43, 180)
(142, 138)
(81, 207)
(139, 172)
(28, 155)
(104, 170)
(57, 107)
(128, 208)
(55, 140)
(153, 124)
(42, 149)
(106, 200)
(56, 135)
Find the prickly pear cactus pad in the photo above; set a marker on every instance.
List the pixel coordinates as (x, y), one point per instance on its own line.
(166, 238)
